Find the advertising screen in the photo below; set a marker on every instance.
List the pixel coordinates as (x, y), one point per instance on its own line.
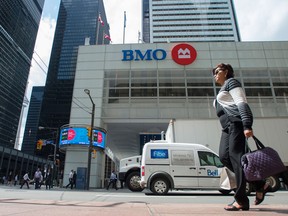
(79, 136)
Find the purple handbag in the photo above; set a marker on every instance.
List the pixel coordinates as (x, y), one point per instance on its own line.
(261, 163)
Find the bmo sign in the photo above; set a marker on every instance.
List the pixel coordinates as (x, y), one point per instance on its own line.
(182, 54)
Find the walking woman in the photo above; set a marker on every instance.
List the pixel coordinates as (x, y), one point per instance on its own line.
(236, 120)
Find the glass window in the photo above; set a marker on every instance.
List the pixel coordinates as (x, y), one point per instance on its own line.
(196, 92)
(281, 92)
(209, 159)
(255, 73)
(118, 92)
(170, 73)
(256, 82)
(170, 82)
(283, 81)
(143, 82)
(116, 74)
(118, 83)
(199, 82)
(258, 92)
(143, 92)
(279, 73)
(171, 92)
(199, 73)
(143, 74)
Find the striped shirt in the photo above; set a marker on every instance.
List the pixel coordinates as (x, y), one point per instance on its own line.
(233, 100)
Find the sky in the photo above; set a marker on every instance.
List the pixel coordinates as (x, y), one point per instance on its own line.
(258, 20)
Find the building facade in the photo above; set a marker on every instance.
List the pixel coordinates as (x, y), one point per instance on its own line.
(139, 93)
(165, 21)
(19, 22)
(78, 23)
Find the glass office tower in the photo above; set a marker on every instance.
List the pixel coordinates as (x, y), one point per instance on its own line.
(189, 21)
(32, 120)
(76, 25)
(19, 22)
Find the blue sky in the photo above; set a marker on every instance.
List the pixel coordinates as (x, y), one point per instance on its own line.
(258, 20)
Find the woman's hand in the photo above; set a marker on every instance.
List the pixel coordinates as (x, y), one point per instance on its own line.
(248, 133)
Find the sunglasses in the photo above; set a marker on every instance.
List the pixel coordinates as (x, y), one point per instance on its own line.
(218, 71)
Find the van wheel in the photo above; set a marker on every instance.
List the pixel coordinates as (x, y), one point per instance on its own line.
(160, 186)
(133, 182)
(274, 183)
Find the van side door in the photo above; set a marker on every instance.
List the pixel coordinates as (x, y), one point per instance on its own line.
(208, 169)
(183, 169)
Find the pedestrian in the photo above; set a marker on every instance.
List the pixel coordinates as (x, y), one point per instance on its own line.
(113, 180)
(9, 179)
(70, 180)
(48, 179)
(4, 180)
(15, 179)
(38, 177)
(74, 179)
(236, 119)
(61, 179)
(26, 180)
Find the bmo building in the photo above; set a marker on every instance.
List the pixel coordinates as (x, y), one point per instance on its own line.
(138, 88)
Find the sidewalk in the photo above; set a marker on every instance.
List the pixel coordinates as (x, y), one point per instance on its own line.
(51, 208)
(48, 207)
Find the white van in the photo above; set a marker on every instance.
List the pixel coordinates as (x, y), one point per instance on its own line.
(169, 166)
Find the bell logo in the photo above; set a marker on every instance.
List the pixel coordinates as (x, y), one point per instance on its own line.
(184, 54)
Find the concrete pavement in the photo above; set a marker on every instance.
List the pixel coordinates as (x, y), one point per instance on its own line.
(31, 206)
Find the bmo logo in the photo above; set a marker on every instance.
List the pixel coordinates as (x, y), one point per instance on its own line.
(183, 54)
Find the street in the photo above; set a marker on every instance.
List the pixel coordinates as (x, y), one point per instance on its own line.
(15, 201)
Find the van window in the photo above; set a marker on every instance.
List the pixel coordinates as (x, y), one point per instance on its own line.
(209, 159)
(180, 157)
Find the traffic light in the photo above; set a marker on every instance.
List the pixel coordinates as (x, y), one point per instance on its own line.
(94, 154)
(57, 162)
(88, 131)
(39, 144)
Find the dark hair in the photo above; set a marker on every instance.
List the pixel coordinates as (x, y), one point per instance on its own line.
(225, 67)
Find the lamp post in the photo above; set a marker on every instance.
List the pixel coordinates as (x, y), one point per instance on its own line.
(87, 91)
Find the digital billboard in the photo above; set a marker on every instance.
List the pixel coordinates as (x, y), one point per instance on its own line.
(79, 136)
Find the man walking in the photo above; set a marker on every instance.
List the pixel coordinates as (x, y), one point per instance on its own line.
(70, 179)
(25, 180)
(113, 180)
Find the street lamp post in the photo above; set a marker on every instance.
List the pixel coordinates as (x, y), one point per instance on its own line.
(87, 91)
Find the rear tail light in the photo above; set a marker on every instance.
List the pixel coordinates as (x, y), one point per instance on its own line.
(143, 171)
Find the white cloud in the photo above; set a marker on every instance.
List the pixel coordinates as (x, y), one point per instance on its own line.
(38, 70)
(43, 49)
(115, 15)
(262, 20)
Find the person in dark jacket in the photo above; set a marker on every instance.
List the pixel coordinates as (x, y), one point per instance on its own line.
(48, 179)
(236, 119)
(112, 180)
(74, 179)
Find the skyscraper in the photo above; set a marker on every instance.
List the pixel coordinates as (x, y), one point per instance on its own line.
(29, 145)
(189, 21)
(79, 22)
(19, 22)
